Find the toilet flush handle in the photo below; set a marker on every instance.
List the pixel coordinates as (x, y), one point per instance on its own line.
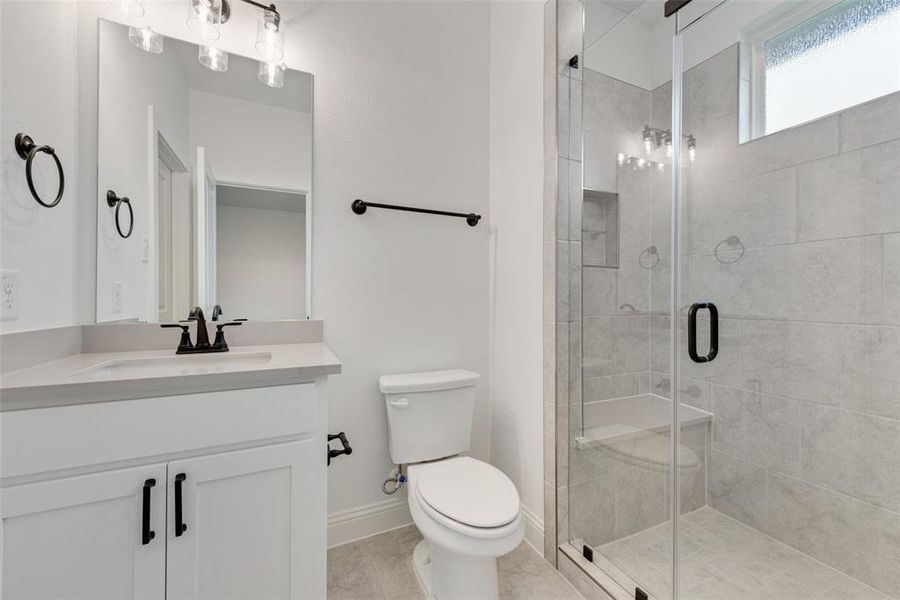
(400, 402)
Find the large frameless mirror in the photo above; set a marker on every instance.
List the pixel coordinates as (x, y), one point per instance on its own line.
(204, 182)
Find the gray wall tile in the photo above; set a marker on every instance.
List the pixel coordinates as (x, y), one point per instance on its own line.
(871, 123)
(738, 489)
(761, 428)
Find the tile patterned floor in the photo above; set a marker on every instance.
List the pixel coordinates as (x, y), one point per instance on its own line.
(380, 568)
(722, 558)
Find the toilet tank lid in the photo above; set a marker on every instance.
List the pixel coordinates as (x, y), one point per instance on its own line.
(429, 381)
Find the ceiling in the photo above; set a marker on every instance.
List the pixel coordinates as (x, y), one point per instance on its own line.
(249, 197)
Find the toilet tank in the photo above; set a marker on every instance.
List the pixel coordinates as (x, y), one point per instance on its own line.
(429, 414)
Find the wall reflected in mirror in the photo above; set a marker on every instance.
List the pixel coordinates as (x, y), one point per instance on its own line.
(217, 169)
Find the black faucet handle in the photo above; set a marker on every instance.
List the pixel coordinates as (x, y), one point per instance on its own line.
(220, 342)
(185, 342)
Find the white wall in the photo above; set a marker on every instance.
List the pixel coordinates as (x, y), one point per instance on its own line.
(401, 115)
(251, 143)
(37, 97)
(261, 262)
(130, 81)
(516, 217)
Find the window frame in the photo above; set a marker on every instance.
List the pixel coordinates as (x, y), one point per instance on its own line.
(754, 38)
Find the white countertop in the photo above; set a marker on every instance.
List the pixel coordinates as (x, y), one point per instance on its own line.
(83, 378)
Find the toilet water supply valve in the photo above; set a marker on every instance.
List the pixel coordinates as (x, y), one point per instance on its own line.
(346, 449)
(396, 480)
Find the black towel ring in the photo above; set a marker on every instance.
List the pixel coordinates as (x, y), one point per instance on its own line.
(27, 150)
(113, 200)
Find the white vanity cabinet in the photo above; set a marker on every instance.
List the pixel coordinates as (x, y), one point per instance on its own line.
(247, 523)
(80, 537)
(213, 494)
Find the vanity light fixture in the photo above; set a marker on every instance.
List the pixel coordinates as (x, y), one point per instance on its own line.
(146, 39)
(638, 163)
(654, 139)
(213, 59)
(204, 17)
(270, 36)
(272, 74)
(650, 139)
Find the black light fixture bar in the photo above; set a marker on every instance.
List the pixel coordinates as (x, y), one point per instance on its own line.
(270, 8)
(359, 206)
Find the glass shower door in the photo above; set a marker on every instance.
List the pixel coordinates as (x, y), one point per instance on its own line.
(787, 345)
(619, 467)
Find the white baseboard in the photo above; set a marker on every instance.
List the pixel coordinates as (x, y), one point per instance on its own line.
(534, 530)
(365, 521)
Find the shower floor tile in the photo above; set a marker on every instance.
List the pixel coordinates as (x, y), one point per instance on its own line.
(722, 558)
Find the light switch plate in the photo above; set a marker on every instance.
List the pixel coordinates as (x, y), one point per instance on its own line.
(117, 297)
(145, 249)
(9, 295)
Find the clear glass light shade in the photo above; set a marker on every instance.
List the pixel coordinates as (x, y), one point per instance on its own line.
(270, 37)
(214, 59)
(132, 8)
(146, 39)
(204, 16)
(272, 74)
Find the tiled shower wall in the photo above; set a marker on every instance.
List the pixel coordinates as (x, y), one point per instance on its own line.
(616, 300)
(806, 387)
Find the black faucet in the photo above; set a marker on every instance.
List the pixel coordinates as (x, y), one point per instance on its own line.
(216, 313)
(185, 346)
(196, 314)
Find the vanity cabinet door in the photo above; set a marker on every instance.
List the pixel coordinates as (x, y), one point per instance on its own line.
(248, 523)
(86, 536)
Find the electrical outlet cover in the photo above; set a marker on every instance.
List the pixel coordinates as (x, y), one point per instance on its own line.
(9, 295)
(117, 297)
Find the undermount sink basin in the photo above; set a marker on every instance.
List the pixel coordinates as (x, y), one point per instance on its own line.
(176, 365)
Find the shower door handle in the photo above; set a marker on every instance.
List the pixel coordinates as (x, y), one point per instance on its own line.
(713, 332)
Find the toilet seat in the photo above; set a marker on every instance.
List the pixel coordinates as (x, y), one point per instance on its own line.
(467, 495)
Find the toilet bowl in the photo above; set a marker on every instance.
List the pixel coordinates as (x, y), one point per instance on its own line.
(467, 511)
(469, 514)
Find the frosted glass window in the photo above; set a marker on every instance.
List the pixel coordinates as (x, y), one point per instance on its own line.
(843, 56)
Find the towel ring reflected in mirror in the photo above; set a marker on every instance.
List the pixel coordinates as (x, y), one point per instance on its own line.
(112, 199)
(732, 242)
(649, 258)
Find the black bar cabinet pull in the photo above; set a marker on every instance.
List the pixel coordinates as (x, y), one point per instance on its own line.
(359, 206)
(713, 332)
(146, 533)
(180, 525)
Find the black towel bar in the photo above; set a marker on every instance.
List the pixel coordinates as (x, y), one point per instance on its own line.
(359, 207)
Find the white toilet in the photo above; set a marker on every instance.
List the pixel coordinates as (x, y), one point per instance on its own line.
(467, 510)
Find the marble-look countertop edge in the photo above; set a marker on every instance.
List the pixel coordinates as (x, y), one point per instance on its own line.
(51, 384)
